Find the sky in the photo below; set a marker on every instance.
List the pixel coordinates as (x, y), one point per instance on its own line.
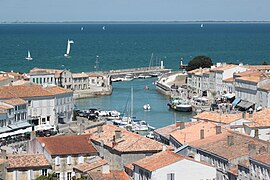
(133, 10)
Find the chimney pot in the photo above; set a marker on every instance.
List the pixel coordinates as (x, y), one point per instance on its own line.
(117, 134)
(202, 134)
(256, 133)
(218, 129)
(230, 140)
(244, 115)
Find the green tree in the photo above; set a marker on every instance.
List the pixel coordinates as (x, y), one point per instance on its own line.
(265, 62)
(199, 61)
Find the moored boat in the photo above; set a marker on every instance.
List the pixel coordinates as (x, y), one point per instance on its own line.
(180, 105)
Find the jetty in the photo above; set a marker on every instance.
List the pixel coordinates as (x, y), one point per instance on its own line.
(136, 71)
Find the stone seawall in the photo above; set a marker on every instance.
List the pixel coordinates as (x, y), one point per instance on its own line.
(80, 94)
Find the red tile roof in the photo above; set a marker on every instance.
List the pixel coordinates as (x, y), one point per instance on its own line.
(27, 161)
(218, 144)
(158, 160)
(15, 101)
(193, 133)
(217, 117)
(128, 142)
(262, 158)
(113, 175)
(24, 91)
(68, 145)
(89, 166)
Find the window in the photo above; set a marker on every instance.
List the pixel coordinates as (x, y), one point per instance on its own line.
(44, 172)
(48, 118)
(81, 159)
(140, 174)
(170, 176)
(69, 176)
(58, 175)
(69, 160)
(57, 160)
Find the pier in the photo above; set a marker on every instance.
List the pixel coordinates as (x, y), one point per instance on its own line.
(136, 71)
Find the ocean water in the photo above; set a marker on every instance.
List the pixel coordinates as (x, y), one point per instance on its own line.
(129, 46)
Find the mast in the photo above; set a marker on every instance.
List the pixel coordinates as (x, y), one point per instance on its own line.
(97, 63)
(131, 104)
(151, 59)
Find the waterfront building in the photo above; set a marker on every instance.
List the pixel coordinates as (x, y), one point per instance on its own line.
(220, 73)
(224, 150)
(253, 87)
(64, 152)
(119, 146)
(27, 166)
(259, 166)
(45, 105)
(45, 76)
(169, 165)
(80, 81)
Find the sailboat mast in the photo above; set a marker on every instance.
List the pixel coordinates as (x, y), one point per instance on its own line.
(151, 59)
(131, 104)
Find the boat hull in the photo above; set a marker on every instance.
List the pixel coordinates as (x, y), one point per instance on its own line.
(180, 108)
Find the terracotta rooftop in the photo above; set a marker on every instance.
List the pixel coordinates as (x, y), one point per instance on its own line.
(113, 175)
(166, 131)
(45, 71)
(68, 145)
(128, 141)
(265, 87)
(217, 117)
(27, 161)
(224, 67)
(88, 166)
(262, 158)
(15, 101)
(158, 160)
(199, 71)
(253, 78)
(193, 133)
(244, 163)
(233, 170)
(95, 74)
(258, 67)
(218, 144)
(246, 73)
(259, 119)
(5, 107)
(24, 91)
(230, 80)
(3, 78)
(55, 90)
(79, 75)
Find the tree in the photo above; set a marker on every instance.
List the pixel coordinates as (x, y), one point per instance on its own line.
(51, 176)
(265, 62)
(199, 61)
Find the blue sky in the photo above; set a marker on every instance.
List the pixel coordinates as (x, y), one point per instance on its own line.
(134, 10)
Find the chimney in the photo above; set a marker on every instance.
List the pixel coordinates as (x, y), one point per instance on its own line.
(99, 129)
(252, 148)
(250, 115)
(218, 129)
(244, 115)
(256, 133)
(117, 134)
(177, 124)
(202, 134)
(230, 140)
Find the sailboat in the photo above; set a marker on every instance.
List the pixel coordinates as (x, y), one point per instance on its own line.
(81, 28)
(104, 28)
(29, 58)
(201, 25)
(68, 47)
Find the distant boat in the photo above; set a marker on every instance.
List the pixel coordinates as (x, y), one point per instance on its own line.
(104, 28)
(68, 47)
(201, 25)
(29, 58)
(81, 28)
(146, 107)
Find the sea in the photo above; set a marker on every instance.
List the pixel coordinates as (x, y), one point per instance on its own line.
(119, 46)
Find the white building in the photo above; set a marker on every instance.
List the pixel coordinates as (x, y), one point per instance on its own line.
(171, 166)
(198, 81)
(46, 105)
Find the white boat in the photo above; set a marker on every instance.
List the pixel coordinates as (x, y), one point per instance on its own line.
(142, 76)
(68, 47)
(116, 79)
(81, 28)
(127, 78)
(146, 107)
(151, 135)
(104, 28)
(139, 125)
(29, 58)
(201, 25)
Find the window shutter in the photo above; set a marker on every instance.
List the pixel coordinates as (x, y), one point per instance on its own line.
(69, 160)
(57, 160)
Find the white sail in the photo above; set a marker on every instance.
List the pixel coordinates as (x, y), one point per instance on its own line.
(68, 47)
(29, 58)
(104, 28)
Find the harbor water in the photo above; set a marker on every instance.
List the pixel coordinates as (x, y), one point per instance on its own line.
(122, 46)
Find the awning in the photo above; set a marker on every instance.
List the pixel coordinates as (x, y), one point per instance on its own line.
(4, 129)
(19, 125)
(12, 133)
(236, 101)
(245, 104)
(43, 127)
(229, 95)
